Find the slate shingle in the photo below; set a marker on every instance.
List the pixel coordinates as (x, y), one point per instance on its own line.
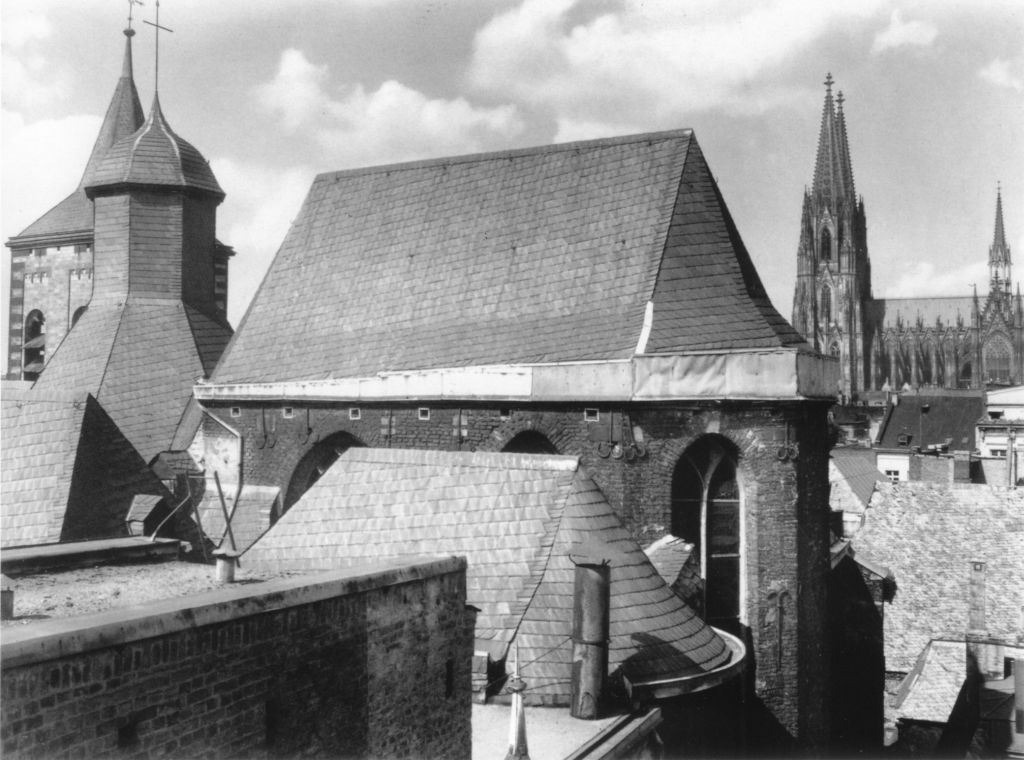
(516, 518)
(539, 255)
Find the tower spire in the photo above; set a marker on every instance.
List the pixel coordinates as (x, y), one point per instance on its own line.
(124, 114)
(832, 172)
(999, 261)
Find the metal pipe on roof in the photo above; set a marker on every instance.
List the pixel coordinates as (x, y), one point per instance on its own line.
(590, 633)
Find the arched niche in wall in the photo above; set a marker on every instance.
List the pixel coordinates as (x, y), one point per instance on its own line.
(315, 463)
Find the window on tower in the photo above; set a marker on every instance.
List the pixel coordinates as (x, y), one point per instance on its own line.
(825, 250)
(34, 347)
(997, 363)
(826, 306)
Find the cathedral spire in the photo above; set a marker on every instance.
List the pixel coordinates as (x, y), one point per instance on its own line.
(124, 114)
(999, 261)
(833, 174)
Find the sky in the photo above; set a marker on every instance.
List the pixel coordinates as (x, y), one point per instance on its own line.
(273, 93)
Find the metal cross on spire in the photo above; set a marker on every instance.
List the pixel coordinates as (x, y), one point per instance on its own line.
(156, 25)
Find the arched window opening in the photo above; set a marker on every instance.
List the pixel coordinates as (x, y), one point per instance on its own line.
(826, 306)
(77, 315)
(315, 463)
(34, 347)
(706, 512)
(997, 363)
(833, 350)
(825, 249)
(530, 442)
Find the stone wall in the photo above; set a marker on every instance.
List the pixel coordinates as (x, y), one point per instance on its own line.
(782, 471)
(371, 663)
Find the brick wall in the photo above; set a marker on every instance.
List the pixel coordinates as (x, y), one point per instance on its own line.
(785, 498)
(360, 664)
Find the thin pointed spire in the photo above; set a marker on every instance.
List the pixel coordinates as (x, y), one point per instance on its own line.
(833, 174)
(999, 239)
(124, 114)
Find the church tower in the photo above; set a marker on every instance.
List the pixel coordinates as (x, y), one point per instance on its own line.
(1001, 321)
(833, 269)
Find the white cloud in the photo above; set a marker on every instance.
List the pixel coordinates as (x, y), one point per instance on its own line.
(29, 78)
(999, 72)
(262, 203)
(922, 279)
(392, 123)
(42, 162)
(650, 61)
(902, 33)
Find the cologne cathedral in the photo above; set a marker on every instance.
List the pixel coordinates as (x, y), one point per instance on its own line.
(957, 342)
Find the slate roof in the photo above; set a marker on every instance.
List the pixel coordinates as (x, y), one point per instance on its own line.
(929, 691)
(154, 155)
(856, 466)
(67, 473)
(927, 534)
(516, 518)
(140, 358)
(73, 216)
(949, 417)
(250, 514)
(547, 254)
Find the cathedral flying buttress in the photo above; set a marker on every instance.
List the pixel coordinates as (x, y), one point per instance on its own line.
(882, 344)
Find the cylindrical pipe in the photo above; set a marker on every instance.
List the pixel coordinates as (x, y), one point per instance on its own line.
(1017, 736)
(226, 568)
(590, 627)
(6, 598)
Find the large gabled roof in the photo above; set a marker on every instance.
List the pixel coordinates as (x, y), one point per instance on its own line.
(941, 420)
(140, 358)
(542, 255)
(516, 518)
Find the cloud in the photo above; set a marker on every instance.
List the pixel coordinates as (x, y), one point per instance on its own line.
(901, 33)
(660, 60)
(392, 123)
(263, 201)
(29, 78)
(921, 279)
(999, 73)
(42, 161)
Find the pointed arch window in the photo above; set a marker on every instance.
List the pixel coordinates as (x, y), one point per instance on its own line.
(833, 350)
(826, 306)
(707, 512)
(825, 247)
(997, 362)
(34, 347)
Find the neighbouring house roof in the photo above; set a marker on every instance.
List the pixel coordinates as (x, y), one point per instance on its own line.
(893, 313)
(932, 420)
(67, 471)
(516, 518)
(928, 534)
(140, 359)
(543, 255)
(930, 690)
(856, 468)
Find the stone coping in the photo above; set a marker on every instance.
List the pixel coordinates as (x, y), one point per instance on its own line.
(62, 637)
(28, 560)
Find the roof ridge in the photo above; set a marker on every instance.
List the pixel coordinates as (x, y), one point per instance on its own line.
(601, 142)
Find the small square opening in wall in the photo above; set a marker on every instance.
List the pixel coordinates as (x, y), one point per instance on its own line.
(287, 412)
(423, 413)
(355, 414)
(504, 413)
(236, 411)
(591, 415)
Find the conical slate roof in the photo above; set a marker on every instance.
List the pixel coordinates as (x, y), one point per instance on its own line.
(155, 156)
(516, 518)
(74, 214)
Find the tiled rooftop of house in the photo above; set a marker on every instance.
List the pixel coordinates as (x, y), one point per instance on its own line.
(516, 518)
(920, 420)
(540, 255)
(856, 466)
(929, 534)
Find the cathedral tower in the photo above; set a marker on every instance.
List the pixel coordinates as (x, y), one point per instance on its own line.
(833, 269)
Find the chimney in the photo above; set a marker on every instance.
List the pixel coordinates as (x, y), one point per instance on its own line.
(590, 633)
(986, 652)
